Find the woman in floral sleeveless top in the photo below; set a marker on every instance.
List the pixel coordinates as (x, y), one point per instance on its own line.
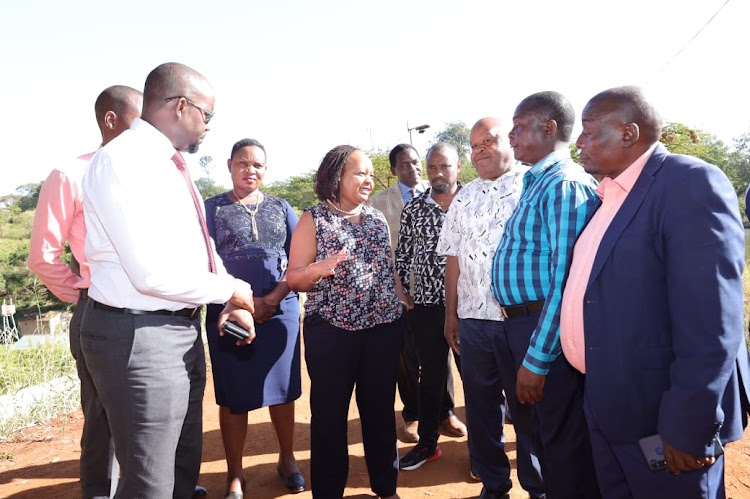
(354, 323)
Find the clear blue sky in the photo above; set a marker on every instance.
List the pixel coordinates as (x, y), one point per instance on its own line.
(304, 76)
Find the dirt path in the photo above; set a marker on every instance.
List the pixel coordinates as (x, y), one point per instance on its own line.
(45, 462)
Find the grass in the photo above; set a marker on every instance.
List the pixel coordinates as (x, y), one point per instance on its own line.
(24, 368)
(21, 369)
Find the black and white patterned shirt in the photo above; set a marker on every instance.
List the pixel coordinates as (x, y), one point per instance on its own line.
(471, 232)
(421, 222)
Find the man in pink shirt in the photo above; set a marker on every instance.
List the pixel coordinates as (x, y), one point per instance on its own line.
(652, 308)
(59, 219)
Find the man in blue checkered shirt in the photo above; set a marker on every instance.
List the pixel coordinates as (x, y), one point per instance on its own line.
(528, 272)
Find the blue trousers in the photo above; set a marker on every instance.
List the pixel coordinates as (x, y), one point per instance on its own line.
(485, 371)
(338, 361)
(623, 473)
(557, 421)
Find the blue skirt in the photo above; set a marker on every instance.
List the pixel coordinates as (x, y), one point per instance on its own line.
(266, 372)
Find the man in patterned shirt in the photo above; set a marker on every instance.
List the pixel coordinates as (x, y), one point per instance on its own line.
(528, 271)
(473, 320)
(419, 231)
(407, 167)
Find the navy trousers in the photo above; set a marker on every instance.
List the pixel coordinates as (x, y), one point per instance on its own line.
(623, 473)
(557, 421)
(338, 361)
(485, 369)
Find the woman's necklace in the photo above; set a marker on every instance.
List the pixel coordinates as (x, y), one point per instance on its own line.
(250, 211)
(356, 211)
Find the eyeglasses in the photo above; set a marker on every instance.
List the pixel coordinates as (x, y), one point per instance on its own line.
(207, 115)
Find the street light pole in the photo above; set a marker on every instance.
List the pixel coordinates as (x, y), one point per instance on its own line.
(420, 129)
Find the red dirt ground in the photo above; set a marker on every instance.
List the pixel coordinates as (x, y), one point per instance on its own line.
(44, 461)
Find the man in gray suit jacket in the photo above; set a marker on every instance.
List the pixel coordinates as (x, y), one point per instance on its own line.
(407, 167)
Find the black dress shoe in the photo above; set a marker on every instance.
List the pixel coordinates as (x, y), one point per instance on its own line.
(294, 482)
(200, 491)
(491, 494)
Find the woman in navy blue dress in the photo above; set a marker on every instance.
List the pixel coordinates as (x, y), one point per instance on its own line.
(252, 232)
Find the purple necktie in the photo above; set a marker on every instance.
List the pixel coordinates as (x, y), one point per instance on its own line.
(182, 167)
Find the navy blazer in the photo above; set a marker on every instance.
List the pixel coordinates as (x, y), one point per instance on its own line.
(663, 310)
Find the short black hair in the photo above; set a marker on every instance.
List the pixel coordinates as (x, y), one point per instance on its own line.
(328, 177)
(551, 105)
(240, 144)
(117, 98)
(393, 156)
(441, 146)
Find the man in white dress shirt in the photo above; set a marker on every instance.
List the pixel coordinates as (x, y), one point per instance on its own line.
(152, 268)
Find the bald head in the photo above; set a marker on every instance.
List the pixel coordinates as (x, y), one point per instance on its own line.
(178, 101)
(170, 79)
(630, 105)
(490, 152)
(491, 124)
(619, 126)
(116, 108)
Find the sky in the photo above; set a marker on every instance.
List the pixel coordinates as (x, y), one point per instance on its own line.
(305, 76)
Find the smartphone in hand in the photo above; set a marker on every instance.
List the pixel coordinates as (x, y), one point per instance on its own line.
(236, 330)
(653, 450)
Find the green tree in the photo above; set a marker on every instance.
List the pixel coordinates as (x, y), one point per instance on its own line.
(680, 139)
(456, 133)
(208, 188)
(29, 196)
(575, 154)
(298, 191)
(738, 169)
(382, 170)
(207, 164)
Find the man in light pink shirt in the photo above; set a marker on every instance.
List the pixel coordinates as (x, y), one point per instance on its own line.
(652, 308)
(59, 220)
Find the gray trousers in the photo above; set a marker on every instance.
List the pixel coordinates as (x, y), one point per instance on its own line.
(98, 467)
(150, 372)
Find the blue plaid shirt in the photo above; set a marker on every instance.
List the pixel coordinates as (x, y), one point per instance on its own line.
(533, 257)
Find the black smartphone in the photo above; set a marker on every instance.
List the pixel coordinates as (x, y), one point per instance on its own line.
(236, 330)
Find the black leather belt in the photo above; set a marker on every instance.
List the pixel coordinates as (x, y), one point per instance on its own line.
(192, 313)
(522, 309)
(83, 293)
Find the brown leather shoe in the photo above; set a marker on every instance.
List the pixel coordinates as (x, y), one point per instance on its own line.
(409, 432)
(452, 427)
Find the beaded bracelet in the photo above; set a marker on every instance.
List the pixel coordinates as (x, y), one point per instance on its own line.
(308, 275)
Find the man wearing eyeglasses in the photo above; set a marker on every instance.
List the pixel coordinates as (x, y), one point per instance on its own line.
(153, 266)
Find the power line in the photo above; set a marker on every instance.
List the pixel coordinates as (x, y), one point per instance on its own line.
(672, 59)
